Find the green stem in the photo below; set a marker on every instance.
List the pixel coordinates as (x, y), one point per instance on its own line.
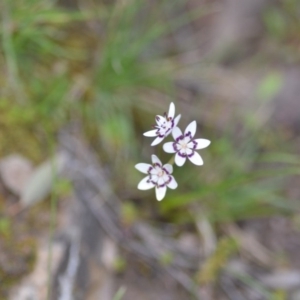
(172, 160)
(53, 217)
(9, 52)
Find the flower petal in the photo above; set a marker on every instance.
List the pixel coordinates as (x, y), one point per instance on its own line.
(191, 128)
(157, 141)
(173, 184)
(160, 181)
(154, 171)
(176, 133)
(187, 139)
(176, 120)
(188, 151)
(155, 159)
(202, 143)
(160, 192)
(142, 167)
(192, 145)
(145, 184)
(154, 178)
(171, 113)
(160, 120)
(151, 133)
(169, 148)
(179, 160)
(169, 168)
(196, 159)
(167, 178)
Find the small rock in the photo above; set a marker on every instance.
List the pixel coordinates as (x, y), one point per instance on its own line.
(15, 170)
(285, 280)
(42, 180)
(296, 295)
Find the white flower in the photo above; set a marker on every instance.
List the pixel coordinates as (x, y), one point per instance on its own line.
(184, 145)
(164, 126)
(158, 176)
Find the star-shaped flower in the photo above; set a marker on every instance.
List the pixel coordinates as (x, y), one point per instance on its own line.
(158, 176)
(165, 125)
(184, 145)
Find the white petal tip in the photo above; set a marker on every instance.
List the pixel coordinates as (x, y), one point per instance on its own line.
(176, 120)
(173, 184)
(156, 141)
(160, 192)
(151, 133)
(196, 159)
(179, 160)
(171, 112)
(202, 143)
(191, 128)
(155, 159)
(142, 167)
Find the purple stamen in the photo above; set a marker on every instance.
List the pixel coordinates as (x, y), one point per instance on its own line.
(190, 155)
(166, 171)
(157, 165)
(181, 154)
(149, 170)
(179, 138)
(169, 180)
(195, 145)
(175, 146)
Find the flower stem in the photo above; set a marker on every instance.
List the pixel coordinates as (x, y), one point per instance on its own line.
(172, 160)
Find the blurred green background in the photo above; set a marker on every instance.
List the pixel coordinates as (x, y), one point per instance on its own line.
(111, 66)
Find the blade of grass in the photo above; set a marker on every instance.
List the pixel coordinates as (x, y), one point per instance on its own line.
(10, 55)
(120, 293)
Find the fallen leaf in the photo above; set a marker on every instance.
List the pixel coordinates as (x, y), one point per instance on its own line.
(42, 180)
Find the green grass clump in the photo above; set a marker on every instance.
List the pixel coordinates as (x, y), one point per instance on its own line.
(107, 70)
(214, 264)
(100, 66)
(17, 259)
